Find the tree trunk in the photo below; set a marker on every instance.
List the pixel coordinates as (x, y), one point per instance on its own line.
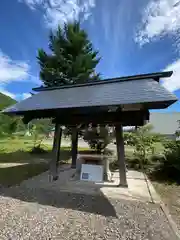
(56, 152)
(74, 146)
(120, 155)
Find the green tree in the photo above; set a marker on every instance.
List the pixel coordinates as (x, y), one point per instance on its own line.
(143, 141)
(8, 125)
(40, 130)
(98, 137)
(72, 58)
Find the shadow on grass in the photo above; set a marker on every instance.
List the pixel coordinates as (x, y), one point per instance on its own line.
(23, 156)
(96, 204)
(16, 174)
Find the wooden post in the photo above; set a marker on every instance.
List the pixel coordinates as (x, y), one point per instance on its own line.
(59, 144)
(56, 152)
(120, 155)
(74, 146)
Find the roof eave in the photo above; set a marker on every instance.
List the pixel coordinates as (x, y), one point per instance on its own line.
(146, 105)
(156, 76)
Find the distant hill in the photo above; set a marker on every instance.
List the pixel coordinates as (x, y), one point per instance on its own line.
(5, 121)
(6, 101)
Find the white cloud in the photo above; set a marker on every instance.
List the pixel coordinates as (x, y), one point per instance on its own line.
(12, 70)
(25, 95)
(173, 83)
(22, 96)
(32, 3)
(161, 17)
(60, 11)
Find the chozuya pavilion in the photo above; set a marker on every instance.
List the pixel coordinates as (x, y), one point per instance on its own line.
(119, 102)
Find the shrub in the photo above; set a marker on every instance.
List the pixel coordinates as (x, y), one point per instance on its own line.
(97, 137)
(144, 142)
(169, 164)
(38, 150)
(128, 138)
(171, 145)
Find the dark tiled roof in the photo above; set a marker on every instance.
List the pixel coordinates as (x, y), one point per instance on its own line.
(105, 94)
(156, 76)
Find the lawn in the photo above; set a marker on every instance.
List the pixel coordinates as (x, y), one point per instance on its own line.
(18, 164)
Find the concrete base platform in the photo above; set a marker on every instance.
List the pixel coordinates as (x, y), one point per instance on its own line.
(139, 187)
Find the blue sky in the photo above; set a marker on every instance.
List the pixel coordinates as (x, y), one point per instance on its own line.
(132, 37)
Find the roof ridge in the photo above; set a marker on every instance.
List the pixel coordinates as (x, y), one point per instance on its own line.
(156, 76)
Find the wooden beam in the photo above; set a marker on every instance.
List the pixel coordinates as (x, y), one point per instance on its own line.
(74, 146)
(127, 118)
(56, 152)
(120, 155)
(78, 116)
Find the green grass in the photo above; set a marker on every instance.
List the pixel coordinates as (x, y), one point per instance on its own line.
(6, 101)
(18, 151)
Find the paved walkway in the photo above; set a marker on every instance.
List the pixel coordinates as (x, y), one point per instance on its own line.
(138, 187)
(71, 209)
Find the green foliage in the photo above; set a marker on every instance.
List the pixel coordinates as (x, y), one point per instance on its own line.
(144, 145)
(128, 138)
(38, 150)
(172, 156)
(9, 125)
(171, 145)
(97, 137)
(67, 131)
(42, 126)
(12, 127)
(6, 101)
(39, 130)
(72, 58)
(5, 121)
(168, 168)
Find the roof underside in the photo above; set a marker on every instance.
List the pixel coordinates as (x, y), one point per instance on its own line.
(147, 92)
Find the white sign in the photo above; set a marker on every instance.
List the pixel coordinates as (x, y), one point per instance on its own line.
(92, 173)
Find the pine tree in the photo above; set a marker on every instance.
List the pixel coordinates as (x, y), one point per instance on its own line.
(72, 59)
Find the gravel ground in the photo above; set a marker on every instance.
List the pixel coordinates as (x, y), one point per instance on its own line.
(41, 214)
